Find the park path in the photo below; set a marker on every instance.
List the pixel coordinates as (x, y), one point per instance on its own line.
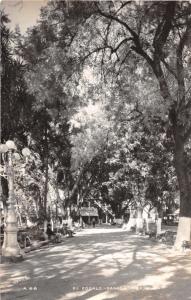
(100, 264)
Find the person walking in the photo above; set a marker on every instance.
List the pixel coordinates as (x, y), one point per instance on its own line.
(93, 222)
(50, 233)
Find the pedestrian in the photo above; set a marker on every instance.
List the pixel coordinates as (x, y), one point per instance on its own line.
(50, 233)
(93, 222)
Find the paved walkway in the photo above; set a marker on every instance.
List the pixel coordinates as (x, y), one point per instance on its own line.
(100, 264)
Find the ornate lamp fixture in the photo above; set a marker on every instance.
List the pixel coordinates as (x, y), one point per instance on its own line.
(10, 248)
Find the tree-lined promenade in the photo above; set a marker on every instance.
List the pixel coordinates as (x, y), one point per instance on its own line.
(100, 94)
(100, 263)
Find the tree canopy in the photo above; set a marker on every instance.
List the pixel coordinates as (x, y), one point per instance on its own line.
(100, 91)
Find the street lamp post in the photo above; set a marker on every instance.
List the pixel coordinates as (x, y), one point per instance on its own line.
(10, 248)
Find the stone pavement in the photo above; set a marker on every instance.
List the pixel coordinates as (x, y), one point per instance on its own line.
(100, 264)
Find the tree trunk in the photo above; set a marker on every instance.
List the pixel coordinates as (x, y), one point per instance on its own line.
(75, 188)
(159, 223)
(139, 220)
(132, 221)
(184, 226)
(46, 189)
(184, 232)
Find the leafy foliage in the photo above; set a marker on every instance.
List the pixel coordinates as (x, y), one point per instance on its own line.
(100, 92)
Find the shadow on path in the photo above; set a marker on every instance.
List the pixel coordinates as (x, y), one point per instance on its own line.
(107, 264)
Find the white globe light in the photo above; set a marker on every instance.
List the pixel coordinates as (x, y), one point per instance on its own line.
(17, 156)
(11, 145)
(3, 148)
(26, 152)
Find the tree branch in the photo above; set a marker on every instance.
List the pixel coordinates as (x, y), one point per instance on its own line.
(121, 43)
(187, 135)
(122, 6)
(122, 62)
(97, 50)
(113, 50)
(163, 29)
(169, 68)
(179, 64)
(135, 38)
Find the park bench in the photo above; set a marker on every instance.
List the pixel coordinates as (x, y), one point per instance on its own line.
(56, 238)
(24, 239)
(67, 231)
(168, 237)
(70, 233)
(152, 234)
(186, 245)
(32, 238)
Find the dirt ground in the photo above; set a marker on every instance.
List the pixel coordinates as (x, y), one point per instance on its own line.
(100, 264)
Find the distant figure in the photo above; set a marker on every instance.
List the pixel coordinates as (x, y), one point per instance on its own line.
(66, 230)
(50, 233)
(93, 222)
(2, 226)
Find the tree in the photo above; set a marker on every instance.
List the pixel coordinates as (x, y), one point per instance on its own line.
(45, 77)
(158, 35)
(90, 127)
(142, 50)
(15, 103)
(15, 106)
